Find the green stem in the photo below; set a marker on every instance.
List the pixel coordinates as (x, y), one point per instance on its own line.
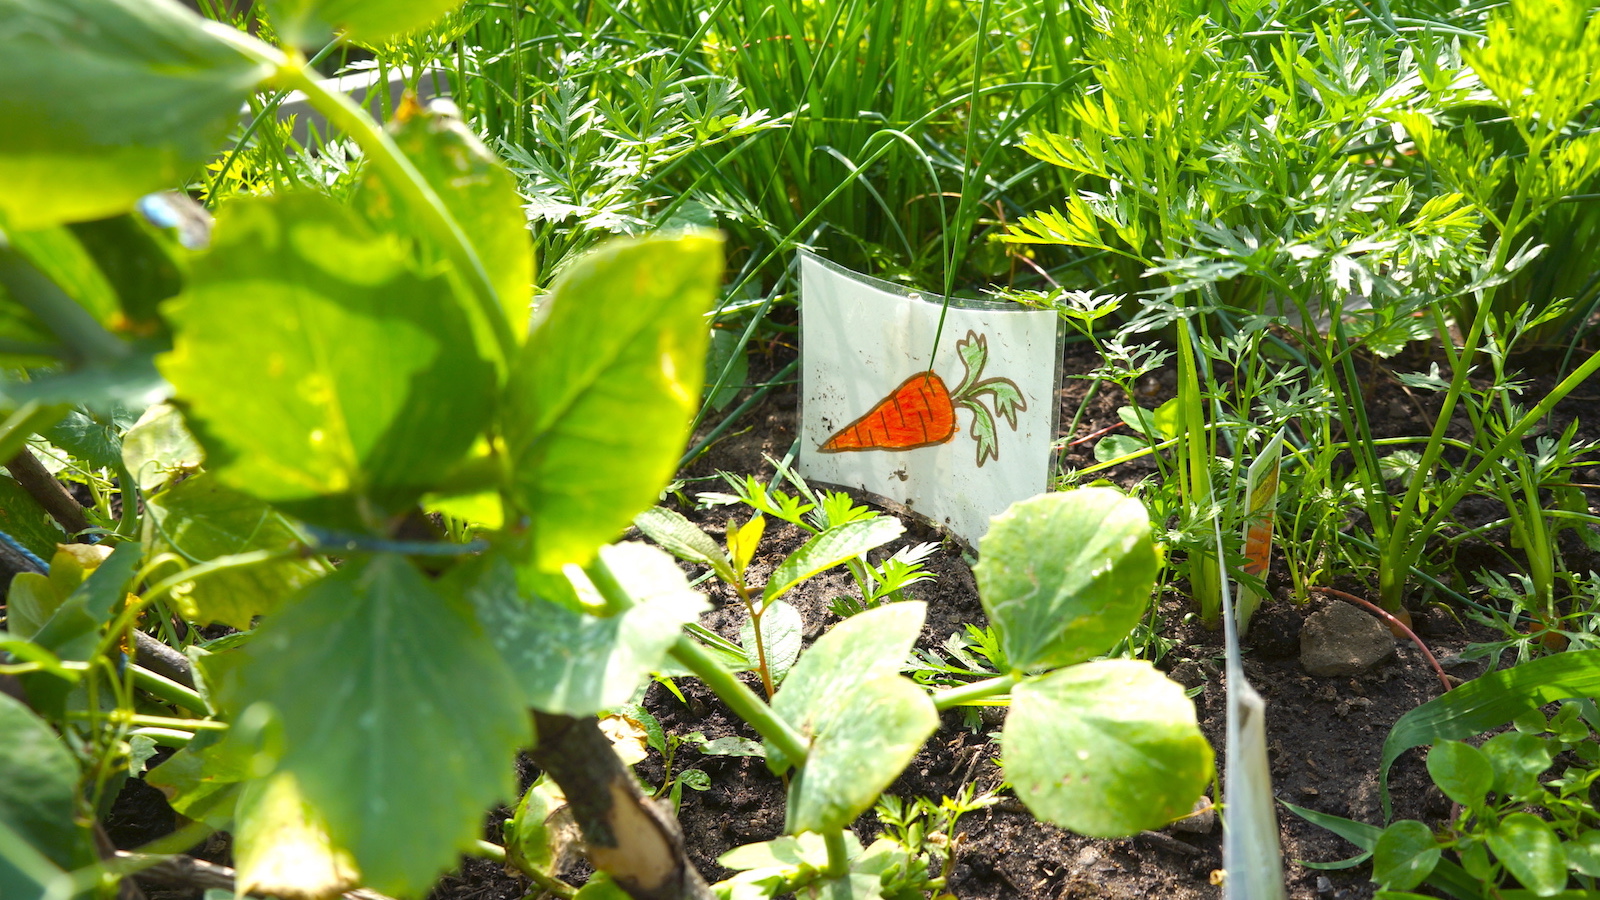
(838, 853)
(398, 173)
(168, 690)
(743, 701)
(165, 737)
(977, 690)
(85, 339)
(1496, 454)
(1405, 542)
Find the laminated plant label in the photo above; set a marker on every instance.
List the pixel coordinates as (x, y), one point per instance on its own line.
(956, 441)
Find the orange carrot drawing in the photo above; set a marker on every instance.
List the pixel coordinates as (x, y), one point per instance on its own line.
(921, 412)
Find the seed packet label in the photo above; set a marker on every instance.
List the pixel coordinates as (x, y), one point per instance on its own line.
(955, 433)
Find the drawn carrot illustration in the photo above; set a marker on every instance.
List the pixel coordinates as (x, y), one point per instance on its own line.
(921, 412)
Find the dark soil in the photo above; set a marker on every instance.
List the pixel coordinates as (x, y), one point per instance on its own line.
(1325, 734)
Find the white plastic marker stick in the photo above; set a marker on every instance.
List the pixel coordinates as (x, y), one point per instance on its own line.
(955, 434)
(1251, 854)
(1260, 505)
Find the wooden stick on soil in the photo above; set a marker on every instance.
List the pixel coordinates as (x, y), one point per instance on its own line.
(43, 487)
(1394, 623)
(635, 842)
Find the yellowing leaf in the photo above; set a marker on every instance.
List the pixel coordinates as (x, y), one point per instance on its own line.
(743, 540)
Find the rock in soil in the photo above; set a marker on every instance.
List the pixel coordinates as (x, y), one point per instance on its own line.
(1342, 640)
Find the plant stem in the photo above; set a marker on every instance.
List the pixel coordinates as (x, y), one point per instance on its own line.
(762, 668)
(43, 487)
(85, 339)
(977, 690)
(743, 701)
(168, 690)
(838, 853)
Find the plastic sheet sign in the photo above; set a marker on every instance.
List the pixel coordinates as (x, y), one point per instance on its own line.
(956, 441)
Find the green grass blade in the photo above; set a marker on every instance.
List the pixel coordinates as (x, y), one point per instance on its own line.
(1488, 702)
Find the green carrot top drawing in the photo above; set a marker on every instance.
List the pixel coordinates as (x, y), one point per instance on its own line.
(921, 412)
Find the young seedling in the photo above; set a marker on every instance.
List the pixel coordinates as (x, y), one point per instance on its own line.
(814, 513)
(773, 649)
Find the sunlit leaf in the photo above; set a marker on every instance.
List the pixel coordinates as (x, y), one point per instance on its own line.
(321, 373)
(601, 397)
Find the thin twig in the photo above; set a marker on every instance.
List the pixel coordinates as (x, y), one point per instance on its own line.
(1393, 623)
(47, 491)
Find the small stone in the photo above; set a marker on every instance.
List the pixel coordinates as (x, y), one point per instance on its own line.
(1324, 886)
(1342, 640)
(1200, 820)
(1188, 673)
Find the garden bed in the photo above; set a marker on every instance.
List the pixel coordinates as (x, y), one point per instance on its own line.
(1324, 733)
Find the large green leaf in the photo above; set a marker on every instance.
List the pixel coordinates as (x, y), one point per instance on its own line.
(308, 22)
(38, 783)
(480, 194)
(1531, 852)
(576, 664)
(1489, 701)
(602, 394)
(1106, 749)
(1064, 576)
(321, 372)
(102, 101)
(863, 719)
(1404, 855)
(201, 520)
(399, 722)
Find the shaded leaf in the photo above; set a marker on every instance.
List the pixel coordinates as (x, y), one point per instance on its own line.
(201, 520)
(1530, 850)
(25, 520)
(572, 663)
(365, 670)
(1462, 772)
(103, 101)
(38, 783)
(1404, 855)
